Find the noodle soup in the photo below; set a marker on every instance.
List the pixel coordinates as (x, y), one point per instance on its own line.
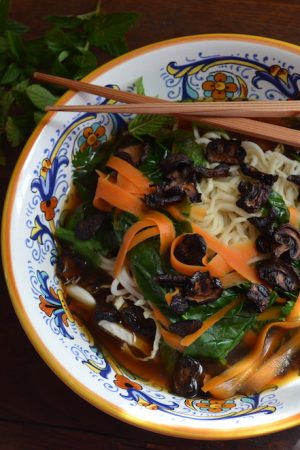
(182, 256)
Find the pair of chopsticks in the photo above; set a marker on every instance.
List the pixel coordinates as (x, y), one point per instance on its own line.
(233, 116)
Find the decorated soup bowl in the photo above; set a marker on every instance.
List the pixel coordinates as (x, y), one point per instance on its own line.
(216, 67)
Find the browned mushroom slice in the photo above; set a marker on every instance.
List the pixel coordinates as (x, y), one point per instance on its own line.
(179, 305)
(188, 377)
(106, 311)
(288, 239)
(279, 274)
(191, 192)
(201, 287)
(228, 151)
(254, 195)
(70, 267)
(259, 295)
(88, 227)
(252, 172)
(191, 249)
(175, 162)
(164, 194)
(185, 327)
(134, 154)
(265, 224)
(133, 317)
(221, 170)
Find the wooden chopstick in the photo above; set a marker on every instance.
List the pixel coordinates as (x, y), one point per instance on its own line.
(250, 127)
(210, 109)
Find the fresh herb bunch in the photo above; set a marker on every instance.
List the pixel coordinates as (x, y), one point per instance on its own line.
(66, 49)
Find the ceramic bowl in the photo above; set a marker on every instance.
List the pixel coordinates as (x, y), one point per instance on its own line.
(211, 66)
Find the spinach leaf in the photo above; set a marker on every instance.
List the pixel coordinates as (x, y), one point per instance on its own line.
(89, 250)
(150, 167)
(202, 312)
(184, 142)
(85, 164)
(149, 124)
(145, 264)
(276, 202)
(222, 337)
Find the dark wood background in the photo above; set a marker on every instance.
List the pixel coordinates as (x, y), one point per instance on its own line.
(37, 411)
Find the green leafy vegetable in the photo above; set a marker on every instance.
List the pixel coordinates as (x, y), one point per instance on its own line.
(276, 202)
(121, 224)
(149, 124)
(150, 167)
(222, 337)
(66, 49)
(89, 250)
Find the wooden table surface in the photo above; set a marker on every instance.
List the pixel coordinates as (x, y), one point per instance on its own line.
(37, 411)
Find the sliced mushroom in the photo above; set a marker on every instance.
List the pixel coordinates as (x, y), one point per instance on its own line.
(176, 162)
(185, 327)
(252, 172)
(265, 224)
(201, 287)
(107, 311)
(191, 249)
(133, 317)
(228, 151)
(289, 239)
(179, 305)
(134, 154)
(70, 267)
(253, 195)
(88, 227)
(259, 295)
(221, 170)
(188, 377)
(164, 194)
(264, 243)
(278, 273)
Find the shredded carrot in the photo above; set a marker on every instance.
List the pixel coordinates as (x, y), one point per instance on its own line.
(101, 204)
(294, 217)
(129, 172)
(250, 338)
(125, 184)
(217, 266)
(232, 256)
(295, 313)
(176, 213)
(197, 212)
(271, 313)
(118, 197)
(158, 315)
(274, 364)
(249, 360)
(208, 323)
(143, 236)
(172, 339)
(159, 220)
(231, 279)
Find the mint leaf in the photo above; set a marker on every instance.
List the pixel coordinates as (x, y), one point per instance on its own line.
(108, 30)
(150, 124)
(13, 133)
(40, 96)
(139, 86)
(11, 74)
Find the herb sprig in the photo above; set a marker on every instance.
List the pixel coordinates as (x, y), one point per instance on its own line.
(68, 48)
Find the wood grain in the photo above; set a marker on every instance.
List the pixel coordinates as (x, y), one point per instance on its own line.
(37, 411)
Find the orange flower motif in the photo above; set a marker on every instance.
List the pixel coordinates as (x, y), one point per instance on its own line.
(91, 137)
(124, 383)
(219, 86)
(48, 208)
(215, 406)
(46, 165)
(279, 72)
